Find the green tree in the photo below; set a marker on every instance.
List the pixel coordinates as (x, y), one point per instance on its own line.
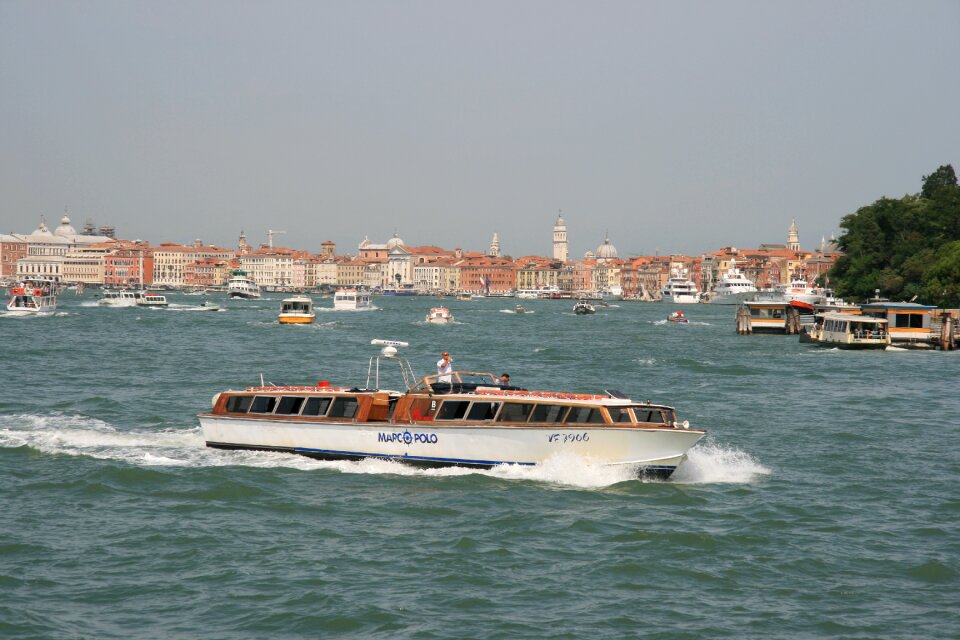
(904, 247)
(944, 176)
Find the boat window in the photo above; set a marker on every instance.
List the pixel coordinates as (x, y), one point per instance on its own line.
(515, 412)
(290, 405)
(263, 404)
(483, 411)
(549, 413)
(316, 406)
(239, 404)
(452, 410)
(585, 415)
(649, 415)
(343, 408)
(621, 415)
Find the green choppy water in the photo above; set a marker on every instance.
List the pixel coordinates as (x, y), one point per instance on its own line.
(823, 503)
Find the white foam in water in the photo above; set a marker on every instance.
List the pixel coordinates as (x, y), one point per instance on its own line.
(714, 464)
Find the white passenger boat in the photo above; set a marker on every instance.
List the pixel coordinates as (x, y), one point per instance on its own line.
(733, 288)
(351, 299)
(152, 300)
(850, 331)
(120, 298)
(583, 308)
(296, 310)
(439, 315)
(242, 286)
(33, 296)
(470, 421)
(680, 289)
(801, 291)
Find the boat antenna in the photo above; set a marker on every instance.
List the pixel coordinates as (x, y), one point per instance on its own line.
(390, 352)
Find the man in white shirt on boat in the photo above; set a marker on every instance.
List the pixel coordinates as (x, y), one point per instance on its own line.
(445, 368)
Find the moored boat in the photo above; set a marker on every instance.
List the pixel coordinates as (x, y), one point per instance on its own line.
(680, 289)
(733, 288)
(33, 296)
(296, 310)
(439, 315)
(851, 331)
(459, 419)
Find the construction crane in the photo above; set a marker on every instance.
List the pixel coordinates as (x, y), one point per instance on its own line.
(270, 234)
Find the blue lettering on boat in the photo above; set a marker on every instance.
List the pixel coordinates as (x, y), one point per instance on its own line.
(407, 438)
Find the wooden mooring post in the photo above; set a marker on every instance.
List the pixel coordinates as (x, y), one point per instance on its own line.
(744, 328)
(948, 341)
(792, 321)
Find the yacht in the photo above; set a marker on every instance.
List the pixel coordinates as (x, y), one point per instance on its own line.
(33, 296)
(733, 288)
(454, 419)
(351, 299)
(439, 315)
(800, 290)
(242, 286)
(680, 289)
(120, 298)
(296, 310)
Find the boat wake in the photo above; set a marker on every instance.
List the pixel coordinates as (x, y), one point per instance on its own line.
(59, 434)
(713, 464)
(523, 313)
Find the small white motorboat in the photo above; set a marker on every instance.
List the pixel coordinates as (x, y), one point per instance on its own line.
(439, 315)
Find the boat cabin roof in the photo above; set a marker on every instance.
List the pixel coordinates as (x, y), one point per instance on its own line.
(896, 306)
(849, 317)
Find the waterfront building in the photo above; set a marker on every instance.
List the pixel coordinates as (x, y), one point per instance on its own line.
(46, 249)
(350, 272)
(325, 272)
(560, 248)
(272, 267)
(86, 264)
(13, 248)
(480, 273)
(130, 264)
(435, 275)
(169, 260)
(209, 272)
(538, 273)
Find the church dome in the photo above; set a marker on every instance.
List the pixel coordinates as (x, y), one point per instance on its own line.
(365, 243)
(42, 230)
(606, 251)
(394, 242)
(65, 229)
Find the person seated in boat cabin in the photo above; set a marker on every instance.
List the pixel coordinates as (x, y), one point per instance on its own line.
(445, 368)
(504, 380)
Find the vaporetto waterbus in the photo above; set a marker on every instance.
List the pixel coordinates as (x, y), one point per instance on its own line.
(457, 419)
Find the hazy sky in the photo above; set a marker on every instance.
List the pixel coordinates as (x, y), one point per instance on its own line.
(680, 127)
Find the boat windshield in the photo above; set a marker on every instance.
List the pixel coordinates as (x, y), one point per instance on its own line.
(456, 381)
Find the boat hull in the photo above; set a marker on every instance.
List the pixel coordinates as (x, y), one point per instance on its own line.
(677, 298)
(302, 319)
(650, 450)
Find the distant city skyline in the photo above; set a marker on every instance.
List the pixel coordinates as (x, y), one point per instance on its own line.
(677, 128)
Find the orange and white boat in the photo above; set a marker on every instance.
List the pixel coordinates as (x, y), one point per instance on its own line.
(470, 421)
(296, 310)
